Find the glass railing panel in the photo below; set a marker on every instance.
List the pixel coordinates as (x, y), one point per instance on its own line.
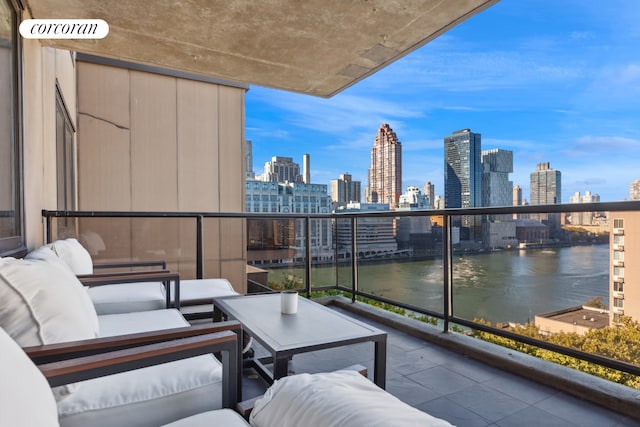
(400, 259)
(565, 280)
(141, 239)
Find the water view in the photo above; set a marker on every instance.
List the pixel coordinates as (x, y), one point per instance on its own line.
(500, 286)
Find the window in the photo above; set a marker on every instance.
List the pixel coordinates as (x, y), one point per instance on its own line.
(11, 226)
(618, 223)
(618, 271)
(618, 240)
(618, 302)
(618, 286)
(65, 157)
(618, 256)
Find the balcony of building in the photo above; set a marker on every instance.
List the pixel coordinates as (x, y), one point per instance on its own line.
(440, 359)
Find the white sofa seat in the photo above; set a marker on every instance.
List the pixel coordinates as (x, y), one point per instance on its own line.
(27, 399)
(132, 297)
(44, 303)
(143, 296)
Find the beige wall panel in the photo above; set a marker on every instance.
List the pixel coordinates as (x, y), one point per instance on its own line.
(211, 242)
(235, 272)
(104, 170)
(232, 163)
(103, 93)
(197, 112)
(153, 142)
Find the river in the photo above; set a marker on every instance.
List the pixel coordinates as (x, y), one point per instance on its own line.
(498, 286)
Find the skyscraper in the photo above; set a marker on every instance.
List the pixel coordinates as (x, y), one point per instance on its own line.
(385, 173)
(634, 190)
(281, 169)
(345, 190)
(430, 192)
(463, 170)
(546, 187)
(463, 178)
(497, 190)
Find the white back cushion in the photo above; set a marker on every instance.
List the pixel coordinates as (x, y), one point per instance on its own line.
(44, 303)
(74, 254)
(26, 397)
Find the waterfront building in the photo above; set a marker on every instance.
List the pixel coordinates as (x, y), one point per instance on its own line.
(429, 191)
(289, 197)
(546, 189)
(345, 190)
(634, 190)
(281, 169)
(375, 236)
(385, 172)
(498, 231)
(579, 320)
(624, 274)
(463, 178)
(584, 218)
(414, 233)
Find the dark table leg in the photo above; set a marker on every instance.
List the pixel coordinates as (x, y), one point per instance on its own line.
(280, 367)
(380, 362)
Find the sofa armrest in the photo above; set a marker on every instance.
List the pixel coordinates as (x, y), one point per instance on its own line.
(61, 351)
(84, 368)
(130, 264)
(163, 276)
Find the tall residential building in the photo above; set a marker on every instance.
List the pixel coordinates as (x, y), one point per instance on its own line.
(546, 189)
(497, 190)
(345, 190)
(430, 192)
(583, 218)
(463, 178)
(499, 231)
(624, 274)
(281, 169)
(385, 172)
(463, 169)
(517, 195)
(546, 186)
(634, 190)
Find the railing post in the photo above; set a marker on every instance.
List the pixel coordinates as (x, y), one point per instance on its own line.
(307, 270)
(354, 258)
(447, 265)
(199, 248)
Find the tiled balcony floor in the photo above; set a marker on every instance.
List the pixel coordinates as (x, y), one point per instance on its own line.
(454, 387)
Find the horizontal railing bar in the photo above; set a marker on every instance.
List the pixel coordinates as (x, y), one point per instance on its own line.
(629, 205)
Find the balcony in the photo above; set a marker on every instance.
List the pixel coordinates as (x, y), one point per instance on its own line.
(450, 292)
(618, 231)
(618, 263)
(618, 247)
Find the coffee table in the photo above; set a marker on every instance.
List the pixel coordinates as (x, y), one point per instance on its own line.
(313, 327)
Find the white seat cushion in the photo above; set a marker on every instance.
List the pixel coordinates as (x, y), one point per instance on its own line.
(26, 397)
(146, 397)
(221, 417)
(128, 297)
(144, 321)
(44, 303)
(341, 398)
(198, 289)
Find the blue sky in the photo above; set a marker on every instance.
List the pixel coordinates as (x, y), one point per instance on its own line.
(553, 81)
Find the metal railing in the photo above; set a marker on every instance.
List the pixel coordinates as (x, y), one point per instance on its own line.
(449, 217)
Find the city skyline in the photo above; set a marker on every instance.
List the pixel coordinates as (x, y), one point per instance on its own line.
(552, 82)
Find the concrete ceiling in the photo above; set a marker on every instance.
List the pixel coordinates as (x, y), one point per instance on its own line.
(316, 47)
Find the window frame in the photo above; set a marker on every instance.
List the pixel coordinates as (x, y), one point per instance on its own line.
(16, 245)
